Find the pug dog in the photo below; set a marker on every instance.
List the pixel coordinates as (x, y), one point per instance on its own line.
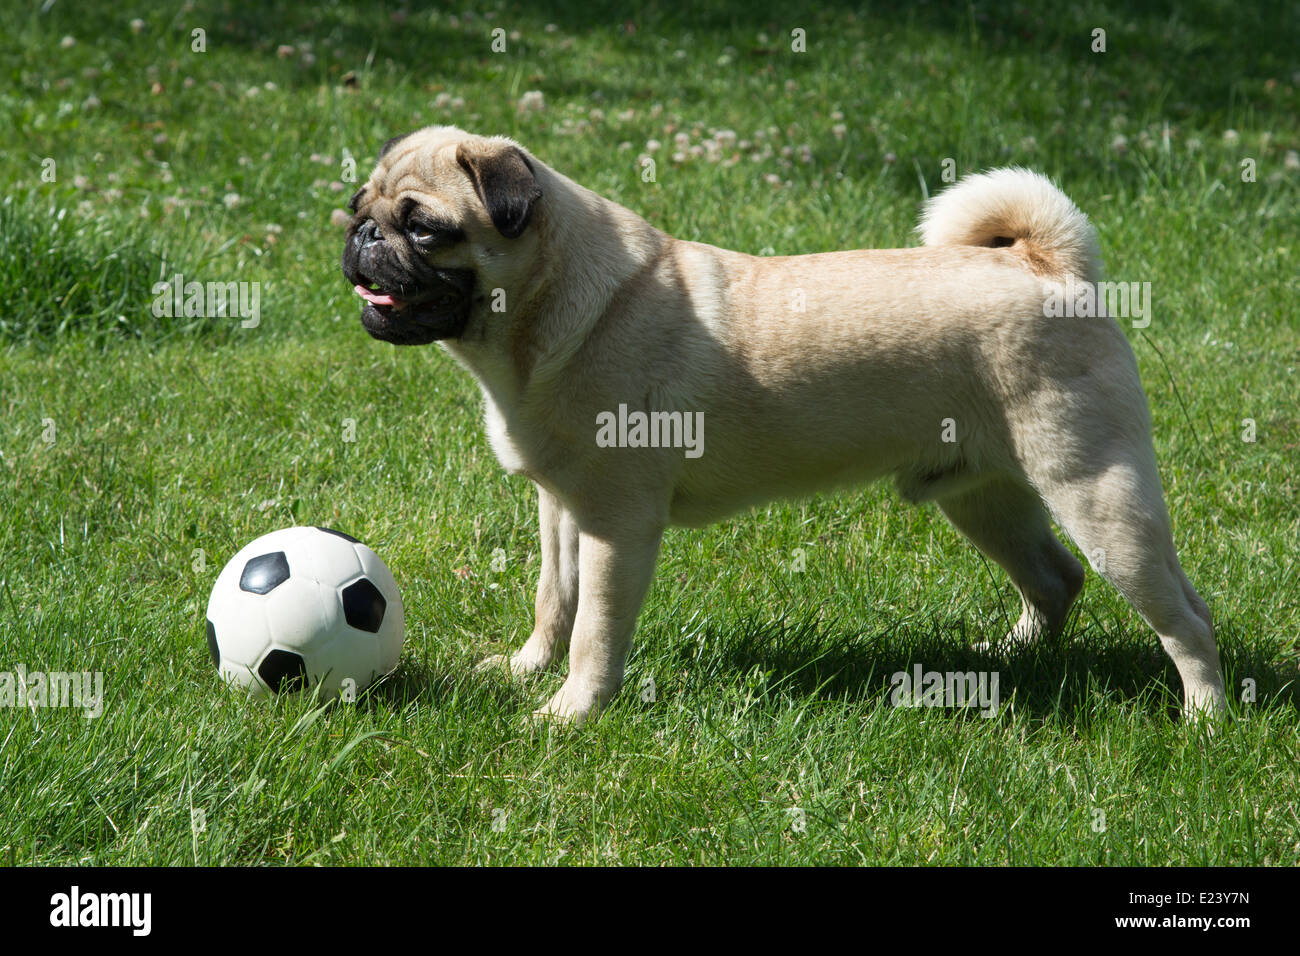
(608, 352)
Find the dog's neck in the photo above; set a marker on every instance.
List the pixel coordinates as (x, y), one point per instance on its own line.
(590, 248)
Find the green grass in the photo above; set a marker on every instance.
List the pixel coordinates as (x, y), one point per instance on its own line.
(171, 438)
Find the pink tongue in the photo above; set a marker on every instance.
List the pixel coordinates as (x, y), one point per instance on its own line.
(377, 298)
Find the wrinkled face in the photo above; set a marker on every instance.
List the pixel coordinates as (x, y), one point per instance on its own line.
(439, 226)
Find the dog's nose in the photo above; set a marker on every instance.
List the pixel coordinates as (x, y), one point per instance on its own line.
(368, 233)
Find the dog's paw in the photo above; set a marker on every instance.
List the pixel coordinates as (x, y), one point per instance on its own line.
(494, 663)
(535, 656)
(515, 665)
(1004, 645)
(1019, 637)
(572, 706)
(1205, 707)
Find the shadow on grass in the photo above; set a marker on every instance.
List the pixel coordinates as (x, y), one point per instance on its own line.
(1197, 50)
(426, 684)
(1060, 679)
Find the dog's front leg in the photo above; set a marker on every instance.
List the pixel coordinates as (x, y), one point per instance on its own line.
(615, 566)
(557, 591)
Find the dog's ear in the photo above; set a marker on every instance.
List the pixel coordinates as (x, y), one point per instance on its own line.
(383, 150)
(504, 180)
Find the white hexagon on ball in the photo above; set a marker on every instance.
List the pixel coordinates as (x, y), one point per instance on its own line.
(305, 608)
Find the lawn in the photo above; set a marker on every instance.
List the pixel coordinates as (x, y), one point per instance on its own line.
(138, 452)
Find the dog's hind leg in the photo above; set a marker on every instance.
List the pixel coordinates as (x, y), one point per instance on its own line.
(1114, 509)
(1007, 522)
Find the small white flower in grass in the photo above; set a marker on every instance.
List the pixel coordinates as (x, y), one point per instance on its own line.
(68, 42)
(90, 103)
(772, 179)
(1292, 161)
(652, 145)
(457, 102)
(1193, 144)
(1231, 137)
(80, 182)
(891, 158)
(679, 157)
(624, 146)
(230, 200)
(284, 51)
(532, 101)
(137, 25)
(839, 130)
(1120, 144)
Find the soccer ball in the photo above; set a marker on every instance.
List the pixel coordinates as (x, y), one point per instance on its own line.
(305, 608)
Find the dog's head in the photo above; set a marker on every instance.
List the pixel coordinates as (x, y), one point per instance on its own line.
(440, 226)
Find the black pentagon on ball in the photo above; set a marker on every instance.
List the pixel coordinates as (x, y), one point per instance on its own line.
(264, 573)
(213, 651)
(283, 671)
(364, 606)
(340, 534)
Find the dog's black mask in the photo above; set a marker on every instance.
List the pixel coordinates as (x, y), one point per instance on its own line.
(408, 301)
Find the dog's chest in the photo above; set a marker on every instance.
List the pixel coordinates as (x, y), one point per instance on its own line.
(512, 456)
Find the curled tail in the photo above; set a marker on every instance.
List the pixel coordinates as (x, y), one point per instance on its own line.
(1019, 209)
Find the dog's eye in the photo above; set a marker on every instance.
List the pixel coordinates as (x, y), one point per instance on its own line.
(427, 236)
